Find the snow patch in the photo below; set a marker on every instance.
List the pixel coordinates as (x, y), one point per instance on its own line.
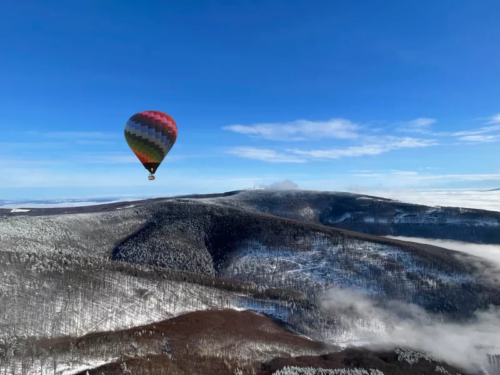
(436, 217)
(339, 219)
(364, 266)
(122, 208)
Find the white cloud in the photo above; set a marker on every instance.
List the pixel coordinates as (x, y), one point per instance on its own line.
(490, 252)
(265, 155)
(383, 144)
(82, 158)
(463, 344)
(108, 158)
(419, 125)
(494, 119)
(168, 181)
(124, 158)
(422, 125)
(340, 153)
(364, 172)
(485, 200)
(299, 130)
(67, 203)
(421, 122)
(480, 138)
(415, 176)
(404, 173)
(81, 135)
(463, 177)
(485, 129)
(93, 142)
(384, 173)
(281, 185)
(29, 162)
(29, 145)
(74, 135)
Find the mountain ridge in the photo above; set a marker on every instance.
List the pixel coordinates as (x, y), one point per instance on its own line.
(124, 265)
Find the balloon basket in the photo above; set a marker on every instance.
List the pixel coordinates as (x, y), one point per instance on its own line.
(151, 177)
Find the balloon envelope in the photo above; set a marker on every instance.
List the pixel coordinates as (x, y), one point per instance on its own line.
(151, 135)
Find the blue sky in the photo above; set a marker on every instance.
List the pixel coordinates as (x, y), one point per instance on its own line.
(333, 95)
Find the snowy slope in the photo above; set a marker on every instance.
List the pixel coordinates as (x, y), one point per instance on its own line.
(373, 215)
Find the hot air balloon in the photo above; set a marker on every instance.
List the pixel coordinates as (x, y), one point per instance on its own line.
(151, 135)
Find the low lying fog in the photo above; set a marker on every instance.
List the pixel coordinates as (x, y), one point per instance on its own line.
(483, 200)
(490, 252)
(65, 203)
(463, 345)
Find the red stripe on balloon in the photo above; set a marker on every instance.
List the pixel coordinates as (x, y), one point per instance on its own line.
(143, 157)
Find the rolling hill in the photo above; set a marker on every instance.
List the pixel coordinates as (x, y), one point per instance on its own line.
(68, 273)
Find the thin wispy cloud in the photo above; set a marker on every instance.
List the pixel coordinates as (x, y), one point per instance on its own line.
(423, 126)
(494, 119)
(121, 157)
(29, 145)
(129, 158)
(30, 161)
(385, 144)
(477, 135)
(80, 135)
(485, 129)
(343, 129)
(300, 130)
(167, 182)
(419, 125)
(480, 138)
(365, 150)
(353, 151)
(366, 144)
(421, 122)
(266, 155)
(93, 142)
(382, 145)
(404, 173)
(416, 177)
(467, 177)
(64, 135)
(381, 172)
(108, 158)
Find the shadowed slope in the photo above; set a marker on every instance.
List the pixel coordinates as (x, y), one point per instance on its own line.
(373, 215)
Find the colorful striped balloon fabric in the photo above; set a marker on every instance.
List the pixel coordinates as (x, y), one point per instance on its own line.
(151, 135)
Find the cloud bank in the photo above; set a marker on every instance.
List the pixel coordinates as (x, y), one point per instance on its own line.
(490, 252)
(485, 200)
(283, 185)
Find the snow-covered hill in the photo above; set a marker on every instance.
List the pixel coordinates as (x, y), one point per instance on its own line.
(373, 215)
(116, 266)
